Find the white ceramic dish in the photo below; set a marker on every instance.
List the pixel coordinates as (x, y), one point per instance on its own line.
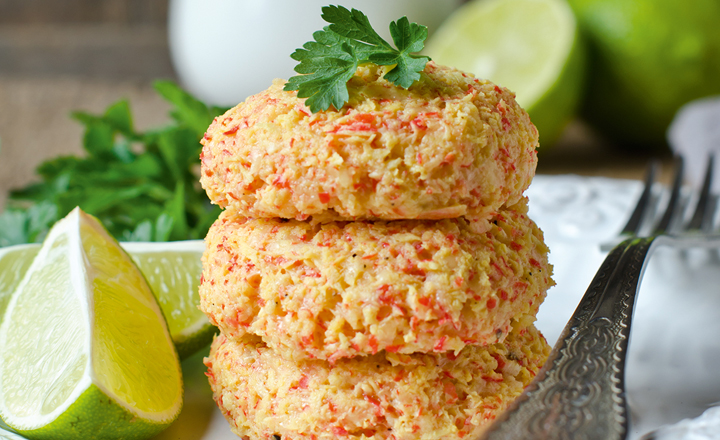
(672, 369)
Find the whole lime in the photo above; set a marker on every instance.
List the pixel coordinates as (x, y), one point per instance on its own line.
(646, 59)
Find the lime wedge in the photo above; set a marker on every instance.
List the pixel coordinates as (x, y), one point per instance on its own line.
(531, 47)
(84, 348)
(172, 269)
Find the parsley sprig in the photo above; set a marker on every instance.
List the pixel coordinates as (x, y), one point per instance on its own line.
(328, 63)
(143, 186)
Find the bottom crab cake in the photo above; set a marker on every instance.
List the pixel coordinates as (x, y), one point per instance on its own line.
(383, 396)
(342, 289)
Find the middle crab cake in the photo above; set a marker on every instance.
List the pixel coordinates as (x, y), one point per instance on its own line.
(343, 289)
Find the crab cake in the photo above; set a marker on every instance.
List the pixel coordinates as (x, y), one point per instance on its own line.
(451, 145)
(384, 396)
(341, 289)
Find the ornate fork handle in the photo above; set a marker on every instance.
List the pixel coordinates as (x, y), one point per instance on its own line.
(579, 394)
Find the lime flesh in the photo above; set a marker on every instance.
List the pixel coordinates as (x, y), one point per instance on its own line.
(173, 271)
(14, 262)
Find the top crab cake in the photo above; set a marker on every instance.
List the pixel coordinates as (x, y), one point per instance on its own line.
(449, 146)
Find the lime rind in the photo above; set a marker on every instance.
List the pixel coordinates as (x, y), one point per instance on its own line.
(554, 110)
(647, 58)
(95, 415)
(198, 336)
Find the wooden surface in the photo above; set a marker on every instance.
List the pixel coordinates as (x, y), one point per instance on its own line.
(83, 11)
(48, 70)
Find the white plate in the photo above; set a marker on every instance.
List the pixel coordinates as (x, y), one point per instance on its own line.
(673, 368)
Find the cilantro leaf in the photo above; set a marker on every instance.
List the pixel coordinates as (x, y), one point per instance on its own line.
(13, 227)
(409, 38)
(328, 63)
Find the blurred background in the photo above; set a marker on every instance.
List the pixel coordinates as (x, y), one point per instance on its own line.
(59, 57)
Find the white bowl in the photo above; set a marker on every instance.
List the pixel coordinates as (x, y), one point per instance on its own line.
(226, 50)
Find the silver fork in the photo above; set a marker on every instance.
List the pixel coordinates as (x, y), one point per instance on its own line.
(579, 394)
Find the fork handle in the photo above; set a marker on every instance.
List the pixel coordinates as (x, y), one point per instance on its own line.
(579, 394)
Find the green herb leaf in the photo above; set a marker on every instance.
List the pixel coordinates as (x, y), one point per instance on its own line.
(99, 139)
(175, 212)
(353, 25)
(40, 218)
(188, 111)
(118, 116)
(19, 226)
(142, 186)
(409, 38)
(328, 63)
(13, 227)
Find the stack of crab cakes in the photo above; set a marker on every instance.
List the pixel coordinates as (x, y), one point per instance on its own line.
(374, 273)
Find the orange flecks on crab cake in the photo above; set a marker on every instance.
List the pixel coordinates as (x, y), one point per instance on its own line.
(341, 289)
(451, 145)
(383, 396)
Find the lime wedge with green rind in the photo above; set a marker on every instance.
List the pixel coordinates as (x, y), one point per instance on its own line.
(84, 348)
(172, 270)
(532, 47)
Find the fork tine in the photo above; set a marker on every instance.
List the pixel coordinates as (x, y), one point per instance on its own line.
(674, 207)
(702, 219)
(643, 205)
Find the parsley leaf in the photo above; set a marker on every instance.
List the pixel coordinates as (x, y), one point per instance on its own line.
(141, 185)
(328, 63)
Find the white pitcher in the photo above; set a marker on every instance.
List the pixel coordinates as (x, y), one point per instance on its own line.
(226, 50)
